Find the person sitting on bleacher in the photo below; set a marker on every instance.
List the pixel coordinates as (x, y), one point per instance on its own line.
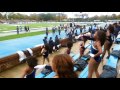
(29, 72)
(108, 43)
(69, 46)
(63, 66)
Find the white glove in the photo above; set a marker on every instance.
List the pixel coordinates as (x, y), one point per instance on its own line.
(40, 66)
(92, 55)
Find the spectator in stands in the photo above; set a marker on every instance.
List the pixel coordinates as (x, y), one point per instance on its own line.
(69, 46)
(80, 29)
(59, 31)
(17, 30)
(65, 29)
(63, 66)
(70, 36)
(84, 27)
(45, 40)
(94, 28)
(108, 43)
(72, 30)
(45, 52)
(29, 72)
(90, 28)
(76, 33)
(116, 30)
(51, 44)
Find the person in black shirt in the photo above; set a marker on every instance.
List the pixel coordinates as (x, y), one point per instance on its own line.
(80, 29)
(56, 42)
(72, 31)
(25, 28)
(76, 33)
(45, 40)
(51, 44)
(70, 36)
(28, 29)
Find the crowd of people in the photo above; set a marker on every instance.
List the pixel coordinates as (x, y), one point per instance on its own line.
(62, 64)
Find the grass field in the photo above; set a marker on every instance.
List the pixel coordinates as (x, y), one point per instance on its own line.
(22, 35)
(7, 27)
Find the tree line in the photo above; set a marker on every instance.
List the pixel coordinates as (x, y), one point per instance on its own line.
(101, 18)
(55, 17)
(37, 17)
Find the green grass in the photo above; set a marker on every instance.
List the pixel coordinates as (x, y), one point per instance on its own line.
(7, 27)
(22, 35)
